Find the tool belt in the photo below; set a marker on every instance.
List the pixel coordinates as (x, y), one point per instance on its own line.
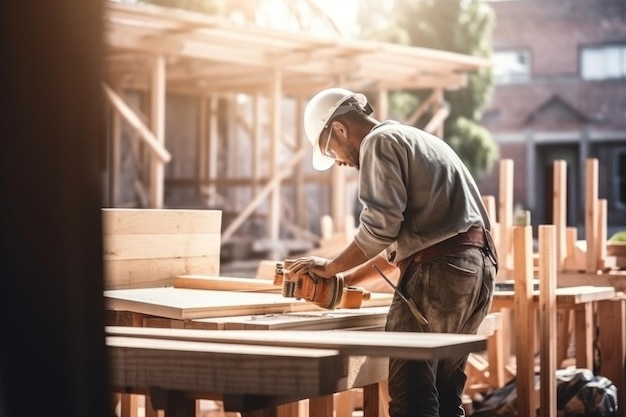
(475, 237)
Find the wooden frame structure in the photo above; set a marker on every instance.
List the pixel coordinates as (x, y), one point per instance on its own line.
(159, 51)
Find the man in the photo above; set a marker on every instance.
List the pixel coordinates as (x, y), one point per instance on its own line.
(423, 211)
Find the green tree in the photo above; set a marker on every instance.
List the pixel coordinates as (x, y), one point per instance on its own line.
(462, 26)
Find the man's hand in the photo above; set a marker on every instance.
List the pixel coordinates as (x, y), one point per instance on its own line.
(314, 264)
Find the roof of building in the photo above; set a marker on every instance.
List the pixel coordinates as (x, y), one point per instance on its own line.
(215, 55)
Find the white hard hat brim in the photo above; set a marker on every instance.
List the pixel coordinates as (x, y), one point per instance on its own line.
(320, 161)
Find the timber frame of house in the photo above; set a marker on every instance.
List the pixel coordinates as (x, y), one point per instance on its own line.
(161, 51)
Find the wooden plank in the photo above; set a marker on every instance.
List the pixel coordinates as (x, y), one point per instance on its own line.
(601, 256)
(591, 213)
(565, 296)
(524, 328)
(584, 335)
(222, 368)
(312, 320)
(495, 354)
(219, 283)
(576, 256)
(505, 211)
(372, 401)
(559, 211)
(157, 123)
(321, 406)
(615, 279)
(548, 260)
(159, 246)
(142, 273)
(183, 303)
(116, 221)
(612, 342)
(405, 345)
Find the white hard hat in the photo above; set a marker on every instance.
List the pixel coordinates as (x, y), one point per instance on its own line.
(322, 107)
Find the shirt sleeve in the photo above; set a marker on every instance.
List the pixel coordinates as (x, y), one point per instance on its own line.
(382, 191)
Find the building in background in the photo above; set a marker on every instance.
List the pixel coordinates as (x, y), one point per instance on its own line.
(560, 94)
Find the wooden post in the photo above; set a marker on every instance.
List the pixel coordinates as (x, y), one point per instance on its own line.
(505, 209)
(601, 209)
(157, 121)
(559, 211)
(274, 210)
(211, 173)
(321, 406)
(371, 401)
(201, 143)
(524, 328)
(591, 220)
(612, 342)
(128, 405)
(257, 140)
(547, 311)
(583, 335)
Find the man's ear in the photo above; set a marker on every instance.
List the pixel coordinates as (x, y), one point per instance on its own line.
(339, 129)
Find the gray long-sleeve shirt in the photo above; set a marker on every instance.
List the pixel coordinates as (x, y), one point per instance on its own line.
(415, 192)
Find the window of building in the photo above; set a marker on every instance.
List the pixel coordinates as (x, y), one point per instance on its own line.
(620, 178)
(603, 62)
(511, 66)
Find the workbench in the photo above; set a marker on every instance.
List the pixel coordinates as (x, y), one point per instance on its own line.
(359, 369)
(254, 371)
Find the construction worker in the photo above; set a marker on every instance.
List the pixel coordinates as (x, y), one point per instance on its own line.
(423, 212)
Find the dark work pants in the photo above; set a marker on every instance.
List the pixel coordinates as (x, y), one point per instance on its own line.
(454, 293)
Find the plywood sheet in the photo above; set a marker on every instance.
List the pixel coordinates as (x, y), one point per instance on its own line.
(306, 320)
(405, 345)
(184, 303)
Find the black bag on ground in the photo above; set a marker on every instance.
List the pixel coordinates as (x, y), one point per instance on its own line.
(579, 392)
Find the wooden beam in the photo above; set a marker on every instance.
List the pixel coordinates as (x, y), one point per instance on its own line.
(601, 233)
(157, 122)
(213, 157)
(547, 317)
(435, 124)
(524, 328)
(505, 211)
(423, 106)
(219, 283)
(114, 158)
(591, 220)
(134, 120)
(612, 343)
(559, 211)
(269, 187)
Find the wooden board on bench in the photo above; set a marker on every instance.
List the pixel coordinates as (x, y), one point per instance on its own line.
(184, 303)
